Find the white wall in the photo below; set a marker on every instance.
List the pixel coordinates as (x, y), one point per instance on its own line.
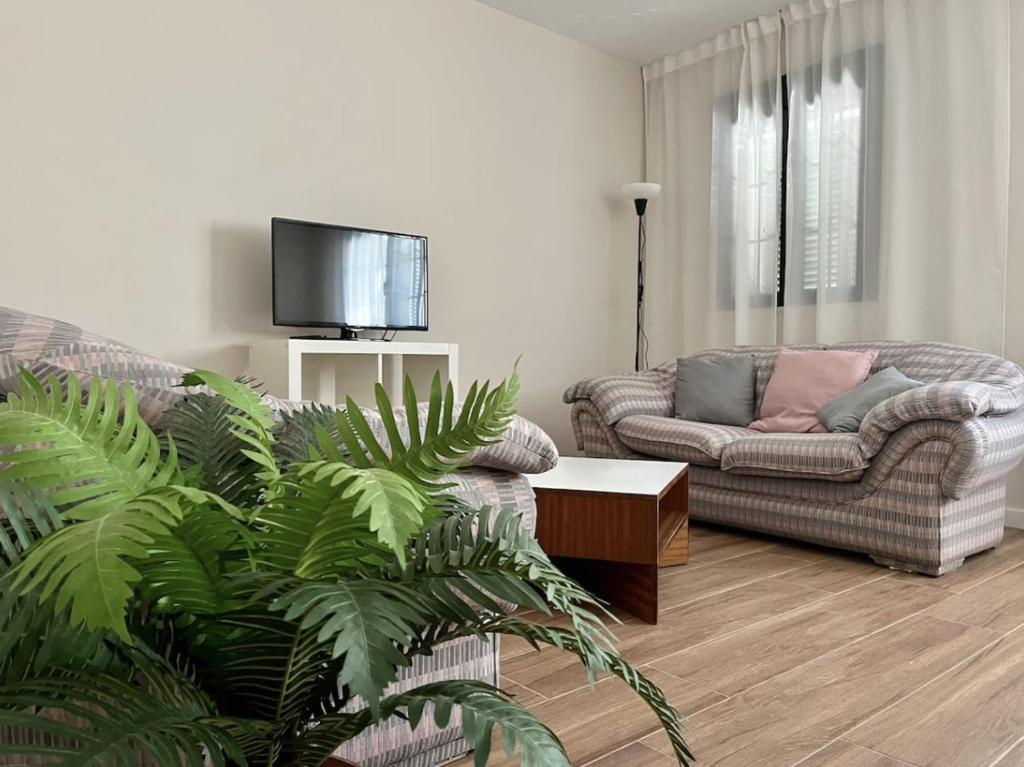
(1015, 236)
(145, 146)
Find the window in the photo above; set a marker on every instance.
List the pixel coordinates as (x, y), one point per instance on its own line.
(797, 199)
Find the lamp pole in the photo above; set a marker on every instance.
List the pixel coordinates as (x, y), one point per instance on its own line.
(641, 209)
(640, 193)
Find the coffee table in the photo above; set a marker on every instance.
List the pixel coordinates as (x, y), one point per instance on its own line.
(611, 524)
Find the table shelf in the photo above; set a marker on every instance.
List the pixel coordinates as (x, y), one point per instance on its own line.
(307, 369)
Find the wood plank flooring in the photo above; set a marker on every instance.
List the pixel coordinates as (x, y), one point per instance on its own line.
(779, 653)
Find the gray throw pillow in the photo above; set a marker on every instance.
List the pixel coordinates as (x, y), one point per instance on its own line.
(845, 412)
(716, 389)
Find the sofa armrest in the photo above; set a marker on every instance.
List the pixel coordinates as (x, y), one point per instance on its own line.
(943, 401)
(998, 443)
(593, 436)
(479, 486)
(974, 452)
(649, 392)
(525, 448)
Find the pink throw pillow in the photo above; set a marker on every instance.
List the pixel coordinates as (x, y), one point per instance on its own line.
(804, 381)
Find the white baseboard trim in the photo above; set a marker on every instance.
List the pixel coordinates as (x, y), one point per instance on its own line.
(1015, 518)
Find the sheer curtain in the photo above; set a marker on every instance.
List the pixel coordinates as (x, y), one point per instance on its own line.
(837, 171)
(746, 157)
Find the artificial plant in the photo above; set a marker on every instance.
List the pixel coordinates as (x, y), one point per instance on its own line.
(239, 591)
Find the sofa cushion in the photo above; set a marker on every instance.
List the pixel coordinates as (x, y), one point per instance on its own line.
(804, 381)
(845, 412)
(678, 440)
(716, 389)
(834, 457)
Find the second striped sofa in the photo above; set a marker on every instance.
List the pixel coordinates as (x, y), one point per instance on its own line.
(919, 487)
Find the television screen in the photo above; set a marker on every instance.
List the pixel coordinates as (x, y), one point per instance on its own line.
(337, 276)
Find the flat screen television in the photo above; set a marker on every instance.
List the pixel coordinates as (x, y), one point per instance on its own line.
(328, 276)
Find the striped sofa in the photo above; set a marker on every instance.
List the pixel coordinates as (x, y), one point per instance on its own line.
(50, 347)
(921, 485)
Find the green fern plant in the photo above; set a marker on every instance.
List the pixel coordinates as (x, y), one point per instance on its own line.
(238, 592)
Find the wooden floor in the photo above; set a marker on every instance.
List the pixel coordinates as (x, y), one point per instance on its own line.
(783, 654)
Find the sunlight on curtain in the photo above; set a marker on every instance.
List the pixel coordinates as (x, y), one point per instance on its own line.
(835, 172)
(835, 71)
(745, 182)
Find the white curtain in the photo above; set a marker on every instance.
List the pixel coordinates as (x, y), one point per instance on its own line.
(837, 171)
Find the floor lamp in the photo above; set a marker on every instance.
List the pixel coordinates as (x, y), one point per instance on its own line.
(640, 193)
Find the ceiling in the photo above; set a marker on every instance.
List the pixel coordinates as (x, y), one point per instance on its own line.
(637, 30)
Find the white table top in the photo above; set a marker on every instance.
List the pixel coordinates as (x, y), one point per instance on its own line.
(608, 475)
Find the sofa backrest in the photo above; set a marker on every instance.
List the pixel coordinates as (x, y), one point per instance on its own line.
(926, 361)
(48, 347)
(27, 337)
(929, 361)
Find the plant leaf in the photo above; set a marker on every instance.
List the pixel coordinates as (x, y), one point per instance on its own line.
(208, 448)
(483, 708)
(427, 455)
(302, 431)
(87, 565)
(364, 621)
(252, 421)
(607, 661)
(257, 665)
(475, 556)
(34, 640)
(25, 517)
(102, 720)
(87, 459)
(331, 517)
(395, 505)
(185, 567)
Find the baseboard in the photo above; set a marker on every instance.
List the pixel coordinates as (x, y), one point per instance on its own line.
(1015, 518)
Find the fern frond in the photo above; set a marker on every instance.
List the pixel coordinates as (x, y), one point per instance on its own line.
(364, 622)
(302, 431)
(606, 661)
(36, 641)
(185, 568)
(321, 738)
(99, 719)
(449, 433)
(88, 458)
(25, 517)
(313, 529)
(209, 449)
(252, 421)
(483, 708)
(88, 565)
(258, 665)
(395, 506)
(479, 556)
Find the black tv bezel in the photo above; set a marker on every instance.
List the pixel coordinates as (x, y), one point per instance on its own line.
(278, 322)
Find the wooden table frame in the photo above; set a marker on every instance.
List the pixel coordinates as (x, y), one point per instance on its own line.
(614, 543)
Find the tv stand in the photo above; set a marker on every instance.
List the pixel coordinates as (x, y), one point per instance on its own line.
(280, 365)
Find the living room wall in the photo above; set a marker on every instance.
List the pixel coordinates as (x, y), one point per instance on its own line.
(147, 145)
(1015, 235)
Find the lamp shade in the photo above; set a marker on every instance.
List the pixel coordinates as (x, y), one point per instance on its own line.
(641, 190)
